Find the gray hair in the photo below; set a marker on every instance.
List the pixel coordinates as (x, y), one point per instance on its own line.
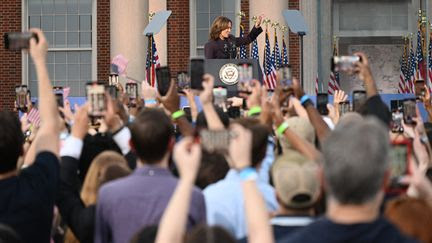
(355, 160)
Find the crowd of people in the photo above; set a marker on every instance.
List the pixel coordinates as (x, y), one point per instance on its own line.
(280, 172)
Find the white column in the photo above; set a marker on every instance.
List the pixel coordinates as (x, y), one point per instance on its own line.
(128, 20)
(161, 37)
(271, 9)
(325, 47)
(310, 51)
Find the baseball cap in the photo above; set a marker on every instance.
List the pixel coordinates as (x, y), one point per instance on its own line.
(302, 127)
(296, 183)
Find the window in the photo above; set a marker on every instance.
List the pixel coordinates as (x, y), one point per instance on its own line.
(67, 25)
(371, 18)
(203, 14)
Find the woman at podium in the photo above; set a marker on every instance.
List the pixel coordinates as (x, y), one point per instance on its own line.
(222, 45)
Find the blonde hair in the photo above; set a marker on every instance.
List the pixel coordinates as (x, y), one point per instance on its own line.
(219, 24)
(107, 166)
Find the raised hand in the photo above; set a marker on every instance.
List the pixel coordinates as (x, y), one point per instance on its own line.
(187, 157)
(171, 101)
(206, 96)
(81, 122)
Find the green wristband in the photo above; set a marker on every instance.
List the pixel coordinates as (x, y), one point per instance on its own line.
(177, 114)
(254, 111)
(282, 128)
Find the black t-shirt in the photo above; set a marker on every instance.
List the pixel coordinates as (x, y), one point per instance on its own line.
(323, 230)
(27, 200)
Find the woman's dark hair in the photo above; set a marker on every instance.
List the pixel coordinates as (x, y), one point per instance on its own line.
(209, 234)
(219, 24)
(11, 141)
(201, 121)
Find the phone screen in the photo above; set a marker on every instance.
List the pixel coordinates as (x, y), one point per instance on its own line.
(322, 100)
(245, 77)
(419, 88)
(16, 41)
(163, 77)
(409, 111)
(344, 107)
(285, 77)
(196, 73)
(396, 124)
(21, 97)
(399, 163)
(58, 92)
(220, 97)
(359, 98)
(213, 140)
(96, 99)
(183, 81)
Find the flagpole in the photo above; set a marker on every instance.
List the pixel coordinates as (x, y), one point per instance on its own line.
(150, 52)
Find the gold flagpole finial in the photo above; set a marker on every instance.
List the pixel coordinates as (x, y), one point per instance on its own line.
(266, 22)
(151, 15)
(241, 15)
(254, 18)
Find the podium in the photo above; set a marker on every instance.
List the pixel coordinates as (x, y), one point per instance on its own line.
(226, 75)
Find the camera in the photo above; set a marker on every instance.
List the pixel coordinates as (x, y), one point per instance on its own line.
(420, 90)
(344, 63)
(359, 99)
(400, 159)
(344, 107)
(183, 81)
(196, 73)
(322, 100)
(409, 111)
(16, 41)
(220, 97)
(58, 92)
(132, 92)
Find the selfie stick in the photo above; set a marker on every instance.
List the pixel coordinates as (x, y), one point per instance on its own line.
(297, 25)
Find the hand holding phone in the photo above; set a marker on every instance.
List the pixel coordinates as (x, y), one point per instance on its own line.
(132, 92)
(359, 99)
(21, 92)
(322, 100)
(285, 77)
(58, 92)
(344, 63)
(420, 90)
(409, 111)
(244, 84)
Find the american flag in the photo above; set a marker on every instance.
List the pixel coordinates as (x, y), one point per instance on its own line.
(333, 83)
(285, 52)
(430, 64)
(268, 64)
(276, 53)
(412, 70)
(401, 86)
(403, 71)
(419, 55)
(121, 64)
(152, 63)
(33, 116)
(243, 52)
(254, 51)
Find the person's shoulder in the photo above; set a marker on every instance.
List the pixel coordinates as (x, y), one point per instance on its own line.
(310, 233)
(390, 233)
(115, 187)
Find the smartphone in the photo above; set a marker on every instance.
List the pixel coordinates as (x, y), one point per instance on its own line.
(396, 123)
(196, 73)
(234, 112)
(322, 100)
(183, 81)
(344, 63)
(21, 92)
(215, 140)
(96, 99)
(359, 99)
(420, 90)
(16, 41)
(344, 107)
(285, 76)
(409, 111)
(163, 77)
(188, 112)
(220, 97)
(58, 92)
(245, 72)
(400, 158)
